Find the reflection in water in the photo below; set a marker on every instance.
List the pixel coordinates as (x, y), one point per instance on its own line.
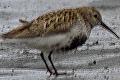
(72, 77)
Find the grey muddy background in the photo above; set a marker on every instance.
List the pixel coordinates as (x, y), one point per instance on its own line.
(102, 47)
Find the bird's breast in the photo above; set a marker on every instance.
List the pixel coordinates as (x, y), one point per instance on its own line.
(74, 43)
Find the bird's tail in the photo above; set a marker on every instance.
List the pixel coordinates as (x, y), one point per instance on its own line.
(18, 32)
(14, 37)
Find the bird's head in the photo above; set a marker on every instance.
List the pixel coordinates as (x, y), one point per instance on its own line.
(94, 18)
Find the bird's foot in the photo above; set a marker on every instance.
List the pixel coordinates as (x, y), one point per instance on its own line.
(50, 71)
(57, 74)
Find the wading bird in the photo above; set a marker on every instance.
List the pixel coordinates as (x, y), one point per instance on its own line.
(61, 30)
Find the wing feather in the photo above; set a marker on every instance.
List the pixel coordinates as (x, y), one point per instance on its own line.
(47, 24)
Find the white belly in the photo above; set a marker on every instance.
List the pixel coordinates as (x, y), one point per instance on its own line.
(46, 43)
(41, 43)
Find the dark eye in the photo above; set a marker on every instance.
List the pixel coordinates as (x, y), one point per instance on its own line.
(95, 16)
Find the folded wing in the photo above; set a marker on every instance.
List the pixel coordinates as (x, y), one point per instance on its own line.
(45, 25)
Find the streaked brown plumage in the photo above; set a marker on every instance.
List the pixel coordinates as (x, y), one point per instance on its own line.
(60, 30)
(53, 22)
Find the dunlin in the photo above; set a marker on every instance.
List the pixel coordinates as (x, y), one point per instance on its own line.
(61, 30)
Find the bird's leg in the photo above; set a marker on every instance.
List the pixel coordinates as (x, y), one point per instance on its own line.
(56, 73)
(48, 69)
(49, 57)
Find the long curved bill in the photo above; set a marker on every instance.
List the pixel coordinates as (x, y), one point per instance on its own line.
(108, 29)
